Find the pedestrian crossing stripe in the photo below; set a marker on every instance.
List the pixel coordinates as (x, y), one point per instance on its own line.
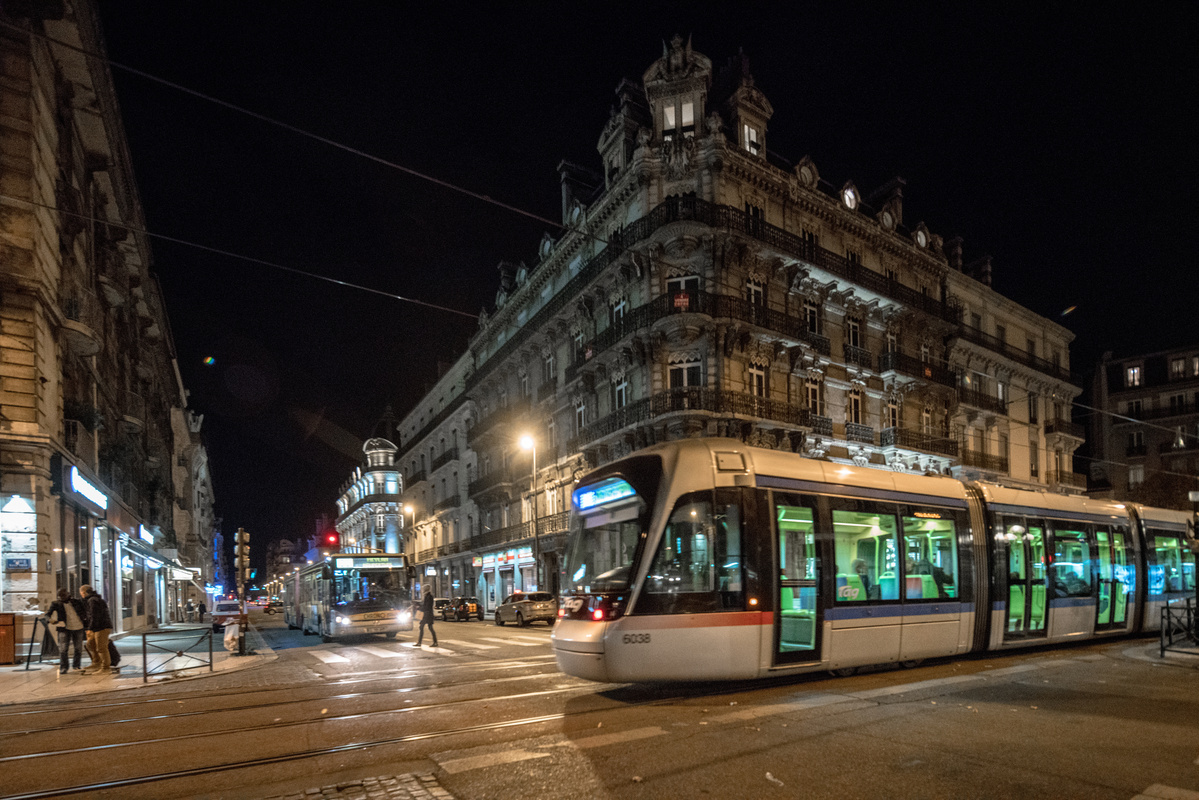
(511, 641)
(470, 645)
(531, 639)
(328, 657)
(378, 651)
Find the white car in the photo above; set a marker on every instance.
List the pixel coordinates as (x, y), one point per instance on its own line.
(525, 607)
(223, 613)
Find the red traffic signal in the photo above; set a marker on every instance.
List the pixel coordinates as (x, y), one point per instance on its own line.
(330, 540)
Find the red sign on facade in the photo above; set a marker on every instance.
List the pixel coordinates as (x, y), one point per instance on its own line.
(682, 301)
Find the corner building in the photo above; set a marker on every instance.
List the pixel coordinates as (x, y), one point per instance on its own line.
(703, 286)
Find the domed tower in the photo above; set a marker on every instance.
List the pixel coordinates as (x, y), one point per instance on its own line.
(368, 512)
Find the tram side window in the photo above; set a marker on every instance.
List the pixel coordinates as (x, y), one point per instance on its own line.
(797, 543)
(697, 567)
(1071, 563)
(930, 547)
(1170, 571)
(865, 544)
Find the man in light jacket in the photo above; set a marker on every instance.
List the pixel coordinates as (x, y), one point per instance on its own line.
(99, 625)
(66, 615)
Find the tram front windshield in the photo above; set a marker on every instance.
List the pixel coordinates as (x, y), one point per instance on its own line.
(367, 588)
(608, 518)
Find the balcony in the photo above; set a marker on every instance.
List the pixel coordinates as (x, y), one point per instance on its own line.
(859, 356)
(449, 502)
(1171, 410)
(498, 479)
(821, 426)
(414, 479)
(547, 389)
(1065, 427)
(855, 432)
(82, 323)
(910, 365)
(916, 440)
(997, 345)
(133, 416)
(80, 442)
(984, 461)
(1074, 480)
(444, 458)
(981, 400)
(496, 420)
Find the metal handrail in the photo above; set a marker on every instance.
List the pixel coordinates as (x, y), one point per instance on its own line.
(1178, 626)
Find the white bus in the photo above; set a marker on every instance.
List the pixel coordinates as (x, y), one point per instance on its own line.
(349, 594)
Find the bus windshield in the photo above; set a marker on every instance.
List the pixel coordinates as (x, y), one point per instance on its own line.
(607, 521)
(367, 588)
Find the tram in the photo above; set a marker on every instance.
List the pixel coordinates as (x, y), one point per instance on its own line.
(707, 559)
(348, 594)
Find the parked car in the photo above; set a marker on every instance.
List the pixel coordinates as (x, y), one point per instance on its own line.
(223, 613)
(439, 604)
(462, 609)
(274, 606)
(525, 607)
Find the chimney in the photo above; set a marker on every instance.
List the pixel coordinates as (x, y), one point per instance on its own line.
(953, 251)
(980, 270)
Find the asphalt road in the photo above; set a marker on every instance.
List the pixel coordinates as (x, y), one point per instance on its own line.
(489, 715)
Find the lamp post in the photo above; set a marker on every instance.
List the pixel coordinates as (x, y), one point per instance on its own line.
(527, 442)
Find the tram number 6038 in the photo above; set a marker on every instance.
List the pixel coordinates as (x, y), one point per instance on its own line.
(636, 638)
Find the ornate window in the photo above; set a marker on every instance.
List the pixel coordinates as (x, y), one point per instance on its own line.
(755, 291)
(814, 389)
(853, 406)
(757, 380)
(685, 371)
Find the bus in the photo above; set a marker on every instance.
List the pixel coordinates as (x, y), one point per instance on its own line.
(707, 559)
(350, 594)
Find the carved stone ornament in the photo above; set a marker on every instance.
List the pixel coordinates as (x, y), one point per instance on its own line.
(896, 463)
(546, 247)
(678, 156)
(806, 173)
(816, 447)
(860, 456)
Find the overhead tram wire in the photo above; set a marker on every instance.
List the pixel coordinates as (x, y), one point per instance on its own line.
(384, 162)
(239, 256)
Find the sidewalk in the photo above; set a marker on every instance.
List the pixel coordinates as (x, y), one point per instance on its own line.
(41, 681)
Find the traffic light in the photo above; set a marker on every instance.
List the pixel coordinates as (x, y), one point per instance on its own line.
(242, 545)
(330, 541)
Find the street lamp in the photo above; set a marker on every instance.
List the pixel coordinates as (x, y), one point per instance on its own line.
(527, 442)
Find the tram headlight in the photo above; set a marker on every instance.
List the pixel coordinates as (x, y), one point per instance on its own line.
(343, 620)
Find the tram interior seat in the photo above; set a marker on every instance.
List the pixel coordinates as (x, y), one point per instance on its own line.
(888, 588)
(921, 586)
(796, 624)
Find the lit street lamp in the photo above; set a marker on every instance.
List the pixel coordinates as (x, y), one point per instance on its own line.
(527, 442)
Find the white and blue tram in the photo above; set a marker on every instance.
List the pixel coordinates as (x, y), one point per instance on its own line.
(708, 559)
(349, 594)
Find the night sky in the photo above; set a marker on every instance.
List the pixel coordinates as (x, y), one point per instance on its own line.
(1056, 141)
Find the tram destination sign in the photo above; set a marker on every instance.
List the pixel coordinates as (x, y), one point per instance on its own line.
(359, 562)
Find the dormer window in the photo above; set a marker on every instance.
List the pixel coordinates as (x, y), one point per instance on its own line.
(750, 139)
(678, 120)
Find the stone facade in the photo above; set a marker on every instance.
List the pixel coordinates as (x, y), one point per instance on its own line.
(94, 434)
(702, 286)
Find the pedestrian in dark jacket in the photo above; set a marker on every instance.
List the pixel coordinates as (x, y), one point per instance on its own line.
(98, 622)
(66, 615)
(426, 618)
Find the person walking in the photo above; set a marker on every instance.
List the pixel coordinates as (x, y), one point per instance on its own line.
(201, 610)
(426, 617)
(98, 622)
(191, 611)
(66, 615)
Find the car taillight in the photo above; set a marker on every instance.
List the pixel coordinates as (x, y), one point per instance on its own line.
(597, 614)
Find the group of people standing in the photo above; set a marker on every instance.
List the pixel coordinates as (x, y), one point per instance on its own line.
(76, 618)
(195, 611)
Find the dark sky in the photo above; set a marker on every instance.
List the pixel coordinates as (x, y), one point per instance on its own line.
(1057, 141)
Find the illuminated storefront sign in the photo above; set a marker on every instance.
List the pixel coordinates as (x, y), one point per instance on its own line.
(144, 534)
(81, 485)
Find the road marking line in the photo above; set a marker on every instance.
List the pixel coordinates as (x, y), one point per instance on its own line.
(753, 712)
(471, 645)
(915, 687)
(378, 651)
(605, 739)
(531, 639)
(328, 658)
(515, 642)
(457, 765)
(440, 650)
(1159, 792)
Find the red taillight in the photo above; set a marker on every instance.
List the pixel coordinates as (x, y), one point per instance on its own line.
(598, 614)
(562, 612)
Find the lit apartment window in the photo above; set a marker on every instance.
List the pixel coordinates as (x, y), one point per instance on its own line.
(926, 421)
(755, 292)
(620, 394)
(926, 354)
(685, 374)
(892, 343)
(1178, 368)
(853, 407)
(757, 380)
(1136, 475)
(892, 414)
(812, 317)
(1194, 366)
(749, 139)
(1132, 376)
(815, 393)
(687, 283)
(678, 120)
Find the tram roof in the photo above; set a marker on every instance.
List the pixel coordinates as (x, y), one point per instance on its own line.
(1050, 501)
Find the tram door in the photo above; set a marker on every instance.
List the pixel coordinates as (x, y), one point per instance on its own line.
(1115, 579)
(1026, 585)
(798, 622)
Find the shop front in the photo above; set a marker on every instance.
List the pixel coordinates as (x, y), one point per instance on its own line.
(505, 572)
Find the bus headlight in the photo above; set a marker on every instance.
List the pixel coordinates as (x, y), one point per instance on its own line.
(342, 620)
